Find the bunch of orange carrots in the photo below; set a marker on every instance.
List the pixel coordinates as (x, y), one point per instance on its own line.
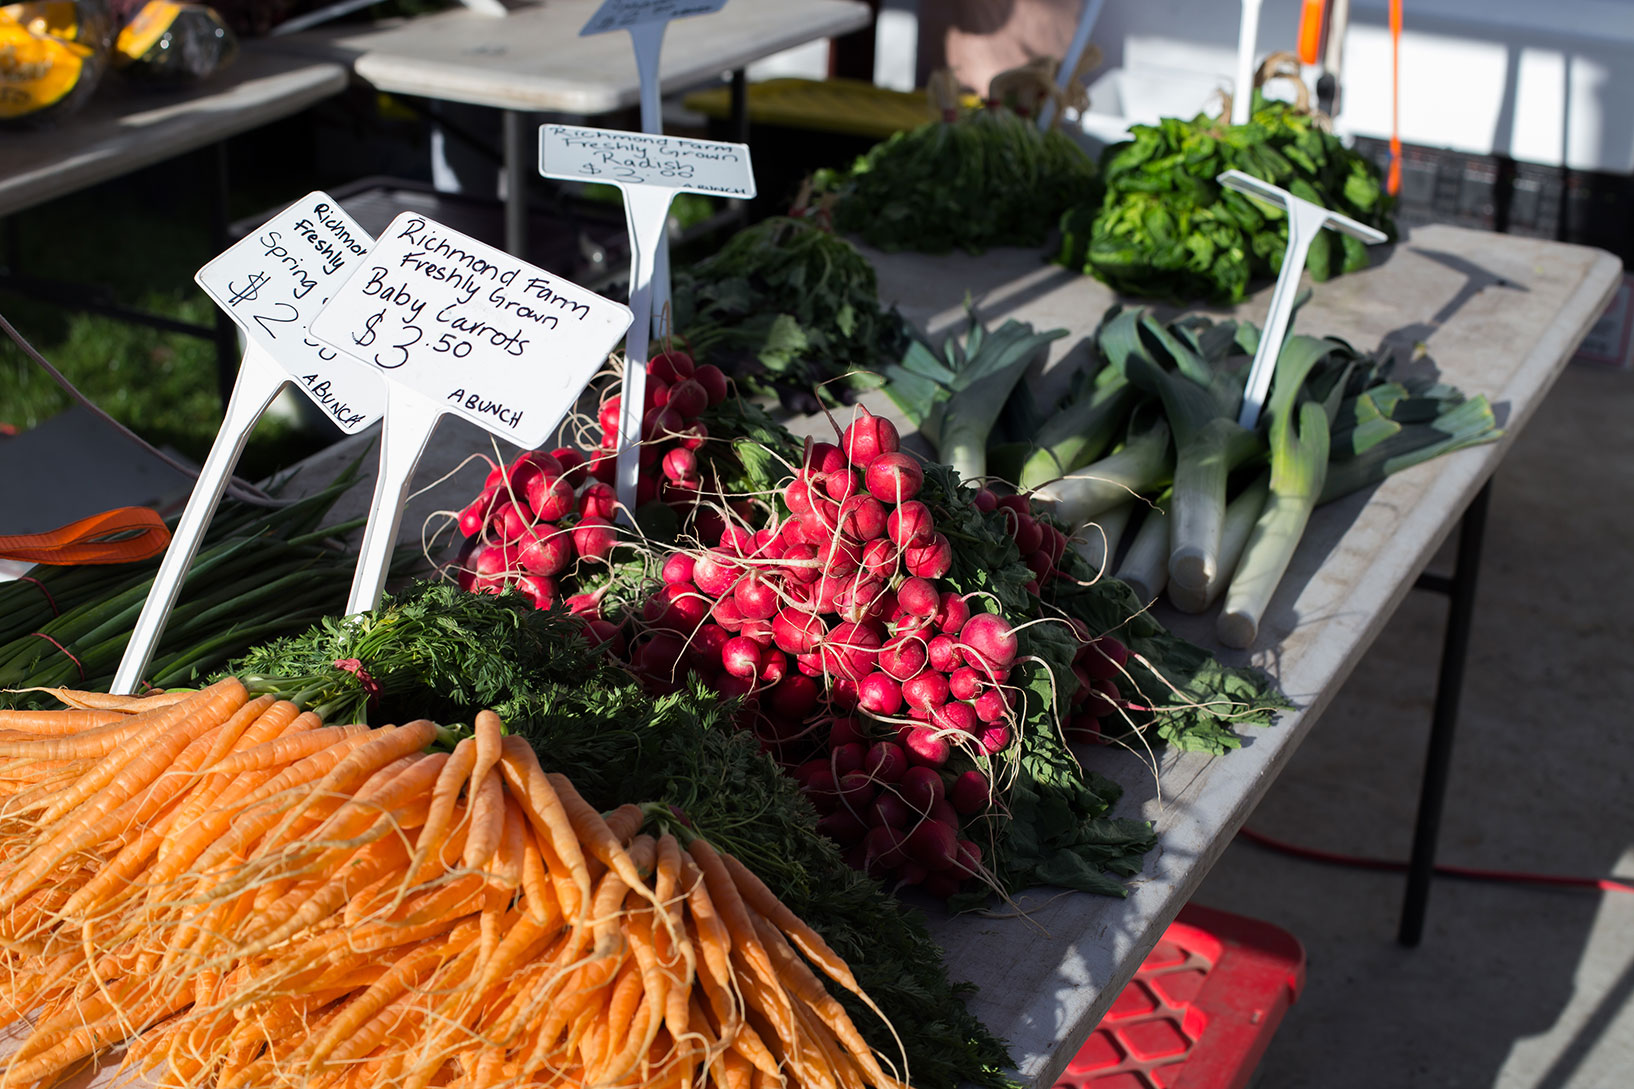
(237, 895)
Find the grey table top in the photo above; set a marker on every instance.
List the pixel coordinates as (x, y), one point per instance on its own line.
(123, 129)
(533, 59)
(1500, 315)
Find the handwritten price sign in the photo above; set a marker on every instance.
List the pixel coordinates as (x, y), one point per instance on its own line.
(637, 158)
(623, 14)
(481, 333)
(273, 284)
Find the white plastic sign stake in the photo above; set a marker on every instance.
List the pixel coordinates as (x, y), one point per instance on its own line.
(272, 284)
(649, 170)
(458, 326)
(646, 21)
(1069, 62)
(1242, 92)
(1305, 222)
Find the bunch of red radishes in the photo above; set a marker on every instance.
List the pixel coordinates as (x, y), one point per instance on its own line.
(837, 620)
(538, 514)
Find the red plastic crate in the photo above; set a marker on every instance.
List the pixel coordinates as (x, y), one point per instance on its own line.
(1200, 1010)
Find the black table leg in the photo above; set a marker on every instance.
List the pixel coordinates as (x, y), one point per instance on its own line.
(521, 159)
(1449, 686)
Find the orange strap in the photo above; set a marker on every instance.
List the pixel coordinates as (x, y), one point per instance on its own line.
(1310, 30)
(1392, 184)
(121, 535)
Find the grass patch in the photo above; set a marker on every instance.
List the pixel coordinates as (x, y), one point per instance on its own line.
(142, 249)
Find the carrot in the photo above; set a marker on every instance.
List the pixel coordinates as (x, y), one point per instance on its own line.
(144, 765)
(102, 740)
(106, 701)
(281, 719)
(286, 750)
(444, 794)
(30, 724)
(625, 822)
(408, 972)
(546, 813)
(487, 820)
(724, 895)
(592, 831)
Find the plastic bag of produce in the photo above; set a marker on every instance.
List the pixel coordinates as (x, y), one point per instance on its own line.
(52, 55)
(166, 44)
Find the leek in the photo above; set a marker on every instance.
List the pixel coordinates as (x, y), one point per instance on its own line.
(1368, 454)
(1144, 461)
(955, 398)
(1240, 515)
(1299, 440)
(1098, 541)
(1080, 429)
(1145, 567)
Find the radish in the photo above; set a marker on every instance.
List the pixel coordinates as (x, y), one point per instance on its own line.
(929, 561)
(918, 597)
(670, 366)
(964, 683)
(954, 715)
(794, 696)
(474, 518)
(921, 788)
(587, 605)
(741, 657)
(925, 690)
(713, 381)
(841, 485)
(677, 569)
(856, 790)
(971, 793)
(1104, 658)
(572, 462)
(725, 612)
(1039, 564)
(510, 522)
(704, 648)
(903, 657)
(879, 694)
(686, 606)
(943, 653)
(952, 612)
(796, 631)
(658, 656)
(847, 757)
(843, 731)
(605, 633)
(656, 395)
(737, 541)
(1084, 730)
(1029, 536)
(693, 435)
(968, 857)
(824, 458)
(863, 517)
(797, 497)
(607, 415)
(985, 500)
(756, 598)
(879, 557)
(804, 773)
(910, 523)
(842, 692)
(850, 650)
(1016, 504)
(885, 761)
(894, 477)
(926, 747)
(906, 625)
(538, 589)
(1103, 699)
(809, 664)
(869, 436)
(599, 500)
(932, 844)
(594, 538)
(995, 738)
(680, 464)
(883, 846)
(551, 497)
(992, 707)
(800, 563)
(494, 560)
(548, 555)
(823, 790)
(988, 643)
(714, 574)
(889, 809)
(688, 398)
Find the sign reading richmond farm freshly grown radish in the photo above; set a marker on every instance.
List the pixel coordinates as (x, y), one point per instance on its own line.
(456, 326)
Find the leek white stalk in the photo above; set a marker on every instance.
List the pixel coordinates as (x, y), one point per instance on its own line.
(1240, 515)
(1200, 471)
(1098, 541)
(1145, 567)
(1299, 465)
(1144, 462)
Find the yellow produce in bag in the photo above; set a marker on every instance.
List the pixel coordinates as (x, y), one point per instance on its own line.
(166, 44)
(52, 55)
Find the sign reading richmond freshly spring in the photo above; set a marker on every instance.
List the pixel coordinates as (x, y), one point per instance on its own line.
(474, 330)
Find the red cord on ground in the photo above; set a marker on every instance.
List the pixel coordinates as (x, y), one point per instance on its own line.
(1502, 876)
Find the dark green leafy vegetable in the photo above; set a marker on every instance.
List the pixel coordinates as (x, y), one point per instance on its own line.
(435, 651)
(1166, 229)
(988, 178)
(787, 308)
